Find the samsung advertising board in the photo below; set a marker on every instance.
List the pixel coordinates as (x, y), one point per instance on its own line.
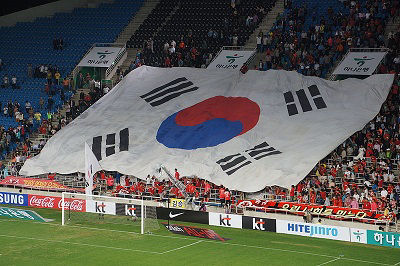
(313, 230)
(14, 199)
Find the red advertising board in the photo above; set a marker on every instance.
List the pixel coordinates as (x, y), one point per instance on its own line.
(38, 201)
(36, 183)
(332, 212)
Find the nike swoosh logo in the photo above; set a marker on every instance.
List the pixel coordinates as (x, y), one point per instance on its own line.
(174, 215)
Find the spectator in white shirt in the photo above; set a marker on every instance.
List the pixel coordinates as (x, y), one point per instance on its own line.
(384, 193)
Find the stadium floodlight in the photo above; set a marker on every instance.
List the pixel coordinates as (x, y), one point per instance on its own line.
(93, 209)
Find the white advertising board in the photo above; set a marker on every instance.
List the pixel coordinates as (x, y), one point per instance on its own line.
(100, 207)
(359, 63)
(100, 57)
(225, 220)
(230, 59)
(313, 230)
(358, 235)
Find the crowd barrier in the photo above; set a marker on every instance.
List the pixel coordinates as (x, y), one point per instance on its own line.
(215, 219)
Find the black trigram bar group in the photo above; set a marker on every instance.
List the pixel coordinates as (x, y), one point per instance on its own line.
(169, 91)
(232, 163)
(262, 150)
(303, 100)
(110, 143)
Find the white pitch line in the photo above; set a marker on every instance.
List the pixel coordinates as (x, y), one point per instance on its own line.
(79, 244)
(397, 263)
(328, 261)
(181, 247)
(208, 241)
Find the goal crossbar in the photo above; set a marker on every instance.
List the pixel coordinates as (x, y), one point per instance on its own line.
(104, 209)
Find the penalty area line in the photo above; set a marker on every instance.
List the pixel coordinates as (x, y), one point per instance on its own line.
(328, 262)
(78, 244)
(185, 246)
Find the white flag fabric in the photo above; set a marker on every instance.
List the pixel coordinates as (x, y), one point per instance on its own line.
(92, 166)
(242, 131)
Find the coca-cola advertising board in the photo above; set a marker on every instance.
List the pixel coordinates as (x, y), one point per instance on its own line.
(38, 201)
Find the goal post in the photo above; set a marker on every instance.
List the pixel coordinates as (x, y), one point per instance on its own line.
(85, 209)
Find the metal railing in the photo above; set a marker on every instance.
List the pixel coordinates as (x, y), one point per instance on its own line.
(120, 55)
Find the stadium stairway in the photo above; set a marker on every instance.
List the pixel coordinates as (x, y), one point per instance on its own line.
(392, 26)
(132, 52)
(138, 19)
(265, 26)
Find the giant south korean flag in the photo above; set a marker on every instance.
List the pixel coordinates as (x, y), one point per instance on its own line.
(242, 131)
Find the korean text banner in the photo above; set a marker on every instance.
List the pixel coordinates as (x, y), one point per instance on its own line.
(242, 131)
(36, 183)
(333, 212)
(359, 63)
(230, 59)
(387, 239)
(100, 57)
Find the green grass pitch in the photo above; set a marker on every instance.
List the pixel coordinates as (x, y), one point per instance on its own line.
(34, 243)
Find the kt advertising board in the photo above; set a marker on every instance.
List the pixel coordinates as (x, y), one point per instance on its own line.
(133, 210)
(100, 207)
(257, 223)
(313, 230)
(225, 220)
(14, 199)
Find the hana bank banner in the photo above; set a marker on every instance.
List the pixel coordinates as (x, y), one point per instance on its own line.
(337, 213)
(36, 183)
(100, 57)
(38, 201)
(359, 63)
(230, 59)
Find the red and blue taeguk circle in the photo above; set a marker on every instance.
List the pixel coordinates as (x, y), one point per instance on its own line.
(209, 123)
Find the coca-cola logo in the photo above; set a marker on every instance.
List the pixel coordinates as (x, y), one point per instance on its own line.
(57, 203)
(41, 202)
(73, 205)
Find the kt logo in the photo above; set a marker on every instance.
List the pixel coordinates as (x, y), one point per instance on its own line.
(130, 210)
(258, 224)
(100, 207)
(225, 221)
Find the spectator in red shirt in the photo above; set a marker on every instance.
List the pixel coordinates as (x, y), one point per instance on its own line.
(222, 195)
(227, 197)
(110, 182)
(177, 175)
(292, 193)
(51, 176)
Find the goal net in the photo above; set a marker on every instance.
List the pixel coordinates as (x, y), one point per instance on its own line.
(82, 209)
